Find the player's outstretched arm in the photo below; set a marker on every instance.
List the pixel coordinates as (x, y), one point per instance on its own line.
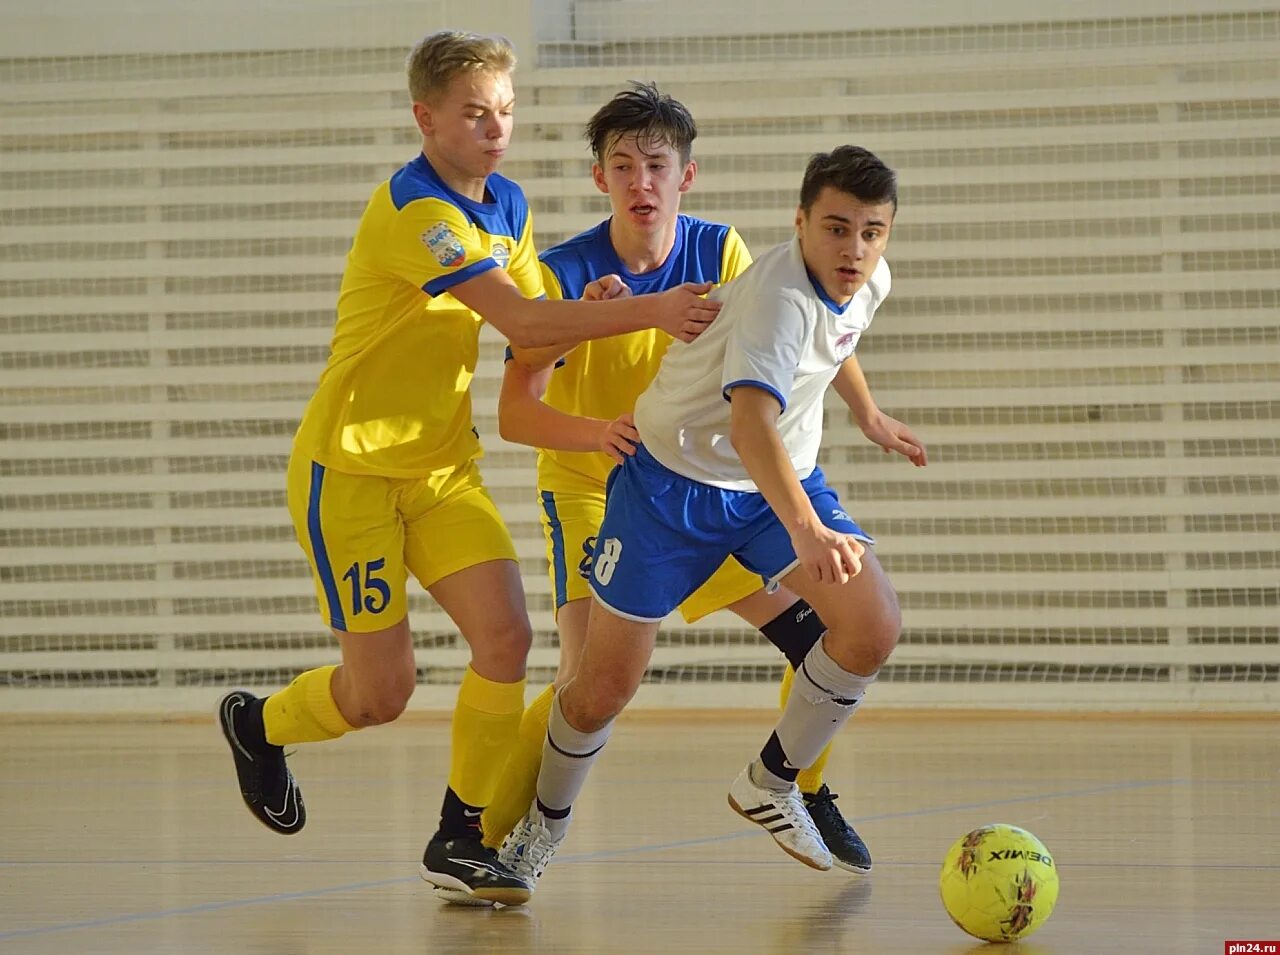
(529, 323)
(826, 555)
(890, 433)
(524, 418)
(603, 289)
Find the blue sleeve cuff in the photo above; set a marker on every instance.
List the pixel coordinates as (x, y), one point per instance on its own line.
(752, 383)
(446, 282)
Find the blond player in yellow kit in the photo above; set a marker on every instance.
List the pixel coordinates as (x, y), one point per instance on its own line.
(383, 479)
(578, 415)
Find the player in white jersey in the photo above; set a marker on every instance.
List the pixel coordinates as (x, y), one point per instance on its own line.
(642, 141)
(727, 465)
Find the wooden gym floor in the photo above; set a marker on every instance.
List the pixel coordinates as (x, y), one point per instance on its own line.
(130, 837)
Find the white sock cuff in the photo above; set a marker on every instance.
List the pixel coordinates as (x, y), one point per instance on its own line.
(572, 741)
(820, 678)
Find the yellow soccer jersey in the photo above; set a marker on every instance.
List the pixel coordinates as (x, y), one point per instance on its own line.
(603, 378)
(394, 399)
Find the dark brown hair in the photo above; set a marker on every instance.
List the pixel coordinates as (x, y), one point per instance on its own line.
(850, 169)
(653, 116)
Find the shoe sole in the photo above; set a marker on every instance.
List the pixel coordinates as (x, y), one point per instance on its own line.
(836, 860)
(811, 863)
(457, 897)
(849, 866)
(456, 892)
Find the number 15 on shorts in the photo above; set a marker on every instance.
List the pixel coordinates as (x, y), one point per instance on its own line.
(368, 591)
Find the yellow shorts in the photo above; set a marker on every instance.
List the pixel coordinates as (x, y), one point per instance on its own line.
(570, 522)
(364, 534)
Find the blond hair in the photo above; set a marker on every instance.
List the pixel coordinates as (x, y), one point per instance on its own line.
(439, 57)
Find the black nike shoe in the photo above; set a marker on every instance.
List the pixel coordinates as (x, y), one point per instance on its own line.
(848, 851)
(467, 872)
(266, 785)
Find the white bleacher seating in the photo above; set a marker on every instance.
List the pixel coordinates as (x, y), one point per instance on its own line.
(1083, 328)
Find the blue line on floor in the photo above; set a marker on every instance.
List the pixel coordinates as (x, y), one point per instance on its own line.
(585, 857)
(196, 909)
(908, 814)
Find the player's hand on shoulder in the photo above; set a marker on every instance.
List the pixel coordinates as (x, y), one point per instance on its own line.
(620, 438)
(682, 311)
(892, 435)
(828, 556)
(606, 287)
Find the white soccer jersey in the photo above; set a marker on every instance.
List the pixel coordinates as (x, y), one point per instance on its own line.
(778, 331)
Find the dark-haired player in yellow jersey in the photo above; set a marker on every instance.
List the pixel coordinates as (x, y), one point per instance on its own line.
(578, 416)
(383, 479)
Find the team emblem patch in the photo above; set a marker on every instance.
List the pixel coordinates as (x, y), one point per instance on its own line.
(845, 345)
(501, 254)
(444, 245)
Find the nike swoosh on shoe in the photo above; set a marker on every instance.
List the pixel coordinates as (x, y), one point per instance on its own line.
(228, 720)
(481, 867)
(290, 803)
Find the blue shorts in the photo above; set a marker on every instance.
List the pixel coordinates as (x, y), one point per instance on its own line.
(664, 534)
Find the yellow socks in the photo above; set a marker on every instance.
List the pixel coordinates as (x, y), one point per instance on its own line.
(485, 722)
(520, 777)
(809, 780)
(304, 711)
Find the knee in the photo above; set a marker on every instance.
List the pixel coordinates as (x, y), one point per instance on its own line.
(864, 638)
(383, 711)
(887, 627)
(564, 673)
(588, 707)
(883, 630)
(516, 640)
(377, 705)
(506, 640)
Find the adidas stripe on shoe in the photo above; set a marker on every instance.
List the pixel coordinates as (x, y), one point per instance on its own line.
(783, 816)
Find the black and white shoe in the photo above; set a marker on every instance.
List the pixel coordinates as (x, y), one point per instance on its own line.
(467, 872)
(848, 851)
(528, 850)
(783, 816)
(266, 785)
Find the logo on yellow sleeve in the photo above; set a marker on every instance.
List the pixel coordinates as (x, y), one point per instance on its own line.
(444, 245)
(501, 254)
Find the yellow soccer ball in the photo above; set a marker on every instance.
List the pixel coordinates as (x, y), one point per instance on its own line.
(999, 883)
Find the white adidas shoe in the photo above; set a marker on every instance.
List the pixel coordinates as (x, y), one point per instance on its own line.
(783, 814)
(528, 849)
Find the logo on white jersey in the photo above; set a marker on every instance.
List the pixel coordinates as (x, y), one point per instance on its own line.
(501, 254)
(845, 345)
(444, 245)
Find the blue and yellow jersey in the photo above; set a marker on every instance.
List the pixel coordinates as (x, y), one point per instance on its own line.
(394, 399)
(603, 378)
